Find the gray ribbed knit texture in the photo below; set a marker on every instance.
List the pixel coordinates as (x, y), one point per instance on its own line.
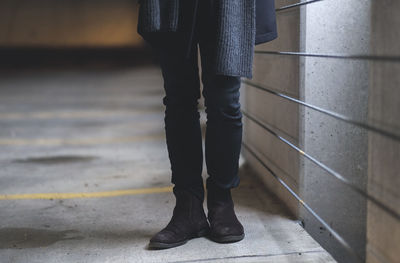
(235, 37)
(235, 30)
(158, 15)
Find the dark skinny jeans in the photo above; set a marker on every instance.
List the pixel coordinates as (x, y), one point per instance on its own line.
(182, 119)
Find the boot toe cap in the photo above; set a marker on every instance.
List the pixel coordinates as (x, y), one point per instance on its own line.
(228, 230)
(165, 236)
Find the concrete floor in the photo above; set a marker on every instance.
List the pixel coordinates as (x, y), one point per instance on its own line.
(76, 145)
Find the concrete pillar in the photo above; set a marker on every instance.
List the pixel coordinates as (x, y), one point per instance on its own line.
(335, 27)
(383, 232)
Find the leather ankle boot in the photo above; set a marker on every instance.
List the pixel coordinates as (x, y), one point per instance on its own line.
(225, 226)
(188, 221)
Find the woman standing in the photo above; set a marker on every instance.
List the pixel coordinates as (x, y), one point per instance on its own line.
(225, 31)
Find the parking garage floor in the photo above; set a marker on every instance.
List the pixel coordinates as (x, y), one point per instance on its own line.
(84, 176)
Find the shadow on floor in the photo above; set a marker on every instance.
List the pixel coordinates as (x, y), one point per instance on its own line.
(19, 238)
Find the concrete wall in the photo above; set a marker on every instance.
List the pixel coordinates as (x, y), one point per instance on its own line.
(280, 73)
(383, 233)
(364, 91)
(68, 23)
(340, 86)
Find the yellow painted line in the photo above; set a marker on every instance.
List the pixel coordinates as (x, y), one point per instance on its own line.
(77, 141)
(86, 195)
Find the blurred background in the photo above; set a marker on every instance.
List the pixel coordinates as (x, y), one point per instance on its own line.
(86, 31)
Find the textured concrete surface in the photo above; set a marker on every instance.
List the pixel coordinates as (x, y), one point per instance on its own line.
(336, 27)
(280, 73)
(341, 86)
(101, 131)
(383, 230)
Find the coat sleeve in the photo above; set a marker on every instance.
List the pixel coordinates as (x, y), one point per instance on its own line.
(266, 29)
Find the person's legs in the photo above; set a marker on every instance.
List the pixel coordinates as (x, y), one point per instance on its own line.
(223, 138)
(184, 141)
(182, 91)
(182, 124)
(222, 149)
(221, 95)
(224, 129)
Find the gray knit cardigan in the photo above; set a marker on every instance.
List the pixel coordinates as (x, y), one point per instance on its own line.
(235, 31)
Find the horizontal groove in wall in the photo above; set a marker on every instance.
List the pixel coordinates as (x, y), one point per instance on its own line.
(273, 127)
(368, 57)
(346, 119)
(327, 226)
(329, 170)
(296, 5)
(245, 84)
(286, 175)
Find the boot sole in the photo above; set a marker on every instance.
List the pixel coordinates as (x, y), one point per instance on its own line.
(227, 239)
(161, 245)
